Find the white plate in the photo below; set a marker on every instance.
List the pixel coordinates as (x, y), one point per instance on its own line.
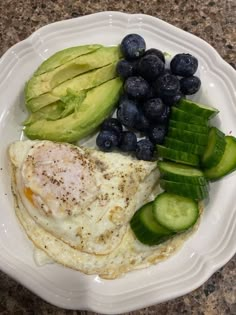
(214, 242)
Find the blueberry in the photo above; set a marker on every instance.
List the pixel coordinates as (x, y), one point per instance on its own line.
(142, 122)
(167, 71)
(128, 113)
(145, 150)
(157, 134)
(112, 124)
(150, 67)
(123, 97)
(107, 140)
(153, 108)
(133, 46)
(125, 68)
(151, 93)
(190, 85)
(156, 52)
(167, 85)
(136, 87)
(171, 100)
(128, 141)
(164, 118)
(184, 65)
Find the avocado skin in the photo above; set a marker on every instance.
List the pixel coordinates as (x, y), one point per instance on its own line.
(97, 106)
(46, 82)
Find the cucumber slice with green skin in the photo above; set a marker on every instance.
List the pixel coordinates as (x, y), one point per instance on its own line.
(145, 227)
(181, 173)
(227, 163)
(198, 192)
(188, 136)
(189, 127)
(215, 148)
(197, 109)
(174, 212)
(184, 146)
(178, 156)
(180, 115)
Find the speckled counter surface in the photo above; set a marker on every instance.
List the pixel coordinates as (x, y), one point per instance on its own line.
(212, 20)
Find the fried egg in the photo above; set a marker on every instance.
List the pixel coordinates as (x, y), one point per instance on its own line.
(82, 197)
(75, 205)
(129, 255)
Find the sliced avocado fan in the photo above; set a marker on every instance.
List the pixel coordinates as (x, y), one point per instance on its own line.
(98, 104)
(59, 109)
(63, 56)
(82, 82)
(47, 81)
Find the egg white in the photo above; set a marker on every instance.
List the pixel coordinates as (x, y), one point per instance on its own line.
(129, 255)
(83, 197)
(45, 228)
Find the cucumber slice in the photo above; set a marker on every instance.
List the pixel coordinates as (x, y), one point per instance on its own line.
(188, 136)
(198, 192)
(178, 156)
(180, 115)
(190, 127)
(145, 227)
(215, 148)
(197, 109)
(227, 163)
(184, 146)
(181, 173)
(174, 212)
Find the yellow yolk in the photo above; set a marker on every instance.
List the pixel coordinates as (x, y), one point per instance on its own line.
(29, 194)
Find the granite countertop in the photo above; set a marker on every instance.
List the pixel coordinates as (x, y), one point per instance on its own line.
(212, 20)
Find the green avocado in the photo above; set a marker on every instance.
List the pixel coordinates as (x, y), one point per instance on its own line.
(50, 112)
(39, 102)
(97, 105)
(63, 56)
(58, 109)
(84, 81)
(45, 82)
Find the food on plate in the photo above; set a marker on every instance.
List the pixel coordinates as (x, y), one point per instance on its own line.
(180, 172)
(184, 65)
(66, 87)
(161, 219)
(63, 56)
(82, 196)
(226, 164)
(144, 150)
(190, 85)
(73, 87)
(107, 213)
(49, 80)
(75, 204)
(87, 115)
(151, 88)
(215, 148)
(133, 46)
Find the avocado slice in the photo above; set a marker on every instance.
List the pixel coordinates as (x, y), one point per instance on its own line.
(39, 102)
(51, 112)
(97, 105)
(45, 82)
(82, 82)
(59, 109)
(63, 56)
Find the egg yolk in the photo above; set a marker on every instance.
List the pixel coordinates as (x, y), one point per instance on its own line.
(29, 194)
